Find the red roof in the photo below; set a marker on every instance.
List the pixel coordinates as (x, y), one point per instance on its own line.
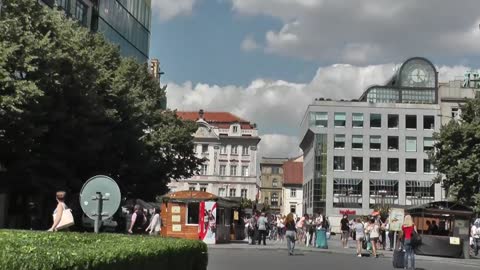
(219, 119)
(293, 173)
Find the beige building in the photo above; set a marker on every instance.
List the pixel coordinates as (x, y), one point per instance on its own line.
(271, 183)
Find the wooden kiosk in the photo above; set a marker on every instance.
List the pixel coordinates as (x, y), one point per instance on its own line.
(198, 215)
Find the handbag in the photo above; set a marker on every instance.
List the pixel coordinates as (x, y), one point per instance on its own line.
(416, 239)
(66, 220)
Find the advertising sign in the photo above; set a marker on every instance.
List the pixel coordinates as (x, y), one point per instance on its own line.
(207, 224)
(395, 219)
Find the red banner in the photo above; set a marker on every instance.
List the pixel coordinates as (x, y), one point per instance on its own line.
(348, 212)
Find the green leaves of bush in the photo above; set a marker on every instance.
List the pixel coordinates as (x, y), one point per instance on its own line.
(26, 250)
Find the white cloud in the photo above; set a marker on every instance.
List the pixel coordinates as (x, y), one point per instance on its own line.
(278, 106)
(165, 10)
(249, 44)
(368, 31)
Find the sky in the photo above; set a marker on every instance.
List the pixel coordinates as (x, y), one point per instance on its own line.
(266, 60)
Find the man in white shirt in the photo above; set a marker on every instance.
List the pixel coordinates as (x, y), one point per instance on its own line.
(475, 233)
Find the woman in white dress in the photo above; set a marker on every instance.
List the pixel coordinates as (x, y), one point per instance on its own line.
(155, 226)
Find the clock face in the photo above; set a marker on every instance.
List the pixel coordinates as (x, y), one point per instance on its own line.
(418, 75)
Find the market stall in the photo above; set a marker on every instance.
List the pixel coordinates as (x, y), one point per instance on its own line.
(198, 215)
(444, 227)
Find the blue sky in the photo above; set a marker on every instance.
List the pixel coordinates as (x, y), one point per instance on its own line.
(266, 60)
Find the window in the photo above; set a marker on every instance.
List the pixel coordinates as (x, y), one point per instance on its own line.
(266, 201)
(293, 193)
(357, 164)
(204, 169)
(339, 141)
(61, 3)
(274, 199)
(234, 150)
(203, 188)
(427, 144)
(410, 121)
(275, 183)
(428, 122)
(204, 148)
(375, 120)
(223, 170)
(233, 192)
(221, 192)
(375, 142)
(81, 12)
(293, 208)
(192, 187)
(275, 170)
(383, 192)
(420, 189)
(357, 120)
(393, 165)
(357, 142)
(192, 213)
(243, 193)
(245, 150)
(411, 165)
(235, 129)
(347, 193)
(455, 113)
(393, 121)
(223, 150)
(411, 144)
(392, 143)
(339, 163)
(340, 119)
(233, 170)
(319, 119)
(244, 170)
(375, 164)
(428, 166)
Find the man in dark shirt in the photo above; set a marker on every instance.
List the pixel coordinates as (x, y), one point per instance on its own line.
(345, 230)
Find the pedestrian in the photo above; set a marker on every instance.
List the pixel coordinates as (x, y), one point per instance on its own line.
(155, 226)
(291, 233)
(359, 235)
(138, 221)
(475, 233)
(62, 216)
(345, 230)
(253, 229)
(310, 229)
(408, 228)
(373, 230)
(262, 229)
(281, 228)
(301, 229)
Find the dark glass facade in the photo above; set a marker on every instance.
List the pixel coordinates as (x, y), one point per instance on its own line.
(127, 24)
(320, 174)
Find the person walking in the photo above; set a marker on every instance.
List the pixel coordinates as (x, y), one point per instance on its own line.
(373, 230)
(281, 228)
(408, 228)
(58, 214)
(359, 235)
(262, 229)
(155, 226)
(344, 226)
(253, 232)
(138, 220)
(475, 233)
(291, 233)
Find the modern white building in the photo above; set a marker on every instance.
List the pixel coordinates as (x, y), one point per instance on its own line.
(229, 145)
(292, 187)
(369, 152)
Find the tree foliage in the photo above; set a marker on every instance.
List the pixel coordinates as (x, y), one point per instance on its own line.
(456, 155)
(71, 107)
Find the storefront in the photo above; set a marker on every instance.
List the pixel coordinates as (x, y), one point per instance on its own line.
(199, 215)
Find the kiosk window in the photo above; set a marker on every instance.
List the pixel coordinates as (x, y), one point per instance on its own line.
(192, 213)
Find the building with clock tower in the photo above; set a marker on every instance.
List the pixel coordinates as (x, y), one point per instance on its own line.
(229, 145)
(373, 151)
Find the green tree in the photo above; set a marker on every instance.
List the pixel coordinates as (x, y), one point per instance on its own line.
(71, 107)
(456, 155)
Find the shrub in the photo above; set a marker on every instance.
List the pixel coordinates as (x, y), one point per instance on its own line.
(28, 250)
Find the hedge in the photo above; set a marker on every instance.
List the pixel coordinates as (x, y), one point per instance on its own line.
(29, 250)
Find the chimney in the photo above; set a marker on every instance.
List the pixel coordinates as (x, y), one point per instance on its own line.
(200, 114)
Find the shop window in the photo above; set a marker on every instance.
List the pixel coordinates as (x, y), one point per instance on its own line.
(410, 121)
(192, 213)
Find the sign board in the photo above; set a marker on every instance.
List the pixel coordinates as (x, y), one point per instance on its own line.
(454, 241)
(207, 222)
(348, 212)
(235, 215)
(176, 228)
(176, 218)
(395, 219)
(176, 209)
